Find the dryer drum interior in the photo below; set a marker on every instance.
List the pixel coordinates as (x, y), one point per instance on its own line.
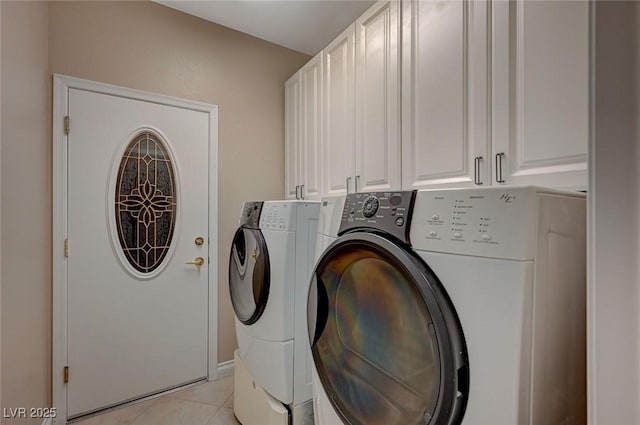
(386, 343)
(249, 274)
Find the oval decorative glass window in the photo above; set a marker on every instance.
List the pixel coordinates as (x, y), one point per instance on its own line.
(145, 202)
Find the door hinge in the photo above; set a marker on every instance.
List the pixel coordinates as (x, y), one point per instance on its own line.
(66, 248)
(66, 125)
(65, 374)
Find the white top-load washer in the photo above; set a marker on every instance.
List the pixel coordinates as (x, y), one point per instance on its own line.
(451, 306)
(270, 263)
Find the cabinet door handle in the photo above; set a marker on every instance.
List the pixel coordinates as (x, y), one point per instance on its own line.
(499, 177)
(476, 170)
(347, 181)
(301, 191)
(356, 182)
(297, 191)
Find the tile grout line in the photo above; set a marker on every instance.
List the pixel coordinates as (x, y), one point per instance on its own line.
(197, 402)
(153, 401)
(227, 399)
(206, 422)
(144, 410)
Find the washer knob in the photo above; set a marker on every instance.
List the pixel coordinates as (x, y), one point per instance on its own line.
(370, 206)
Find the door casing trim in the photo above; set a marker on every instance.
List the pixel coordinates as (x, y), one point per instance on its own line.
(61, 86)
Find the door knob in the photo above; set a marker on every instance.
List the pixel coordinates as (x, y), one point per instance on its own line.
(198, 261)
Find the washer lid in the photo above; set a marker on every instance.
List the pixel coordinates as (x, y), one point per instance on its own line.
(249, 274)
(386, 342)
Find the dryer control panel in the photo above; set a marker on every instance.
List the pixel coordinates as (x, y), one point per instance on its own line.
(389, 212)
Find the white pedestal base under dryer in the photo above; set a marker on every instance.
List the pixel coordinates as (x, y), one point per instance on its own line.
(251, 403)
(271, 330)
(474, 313)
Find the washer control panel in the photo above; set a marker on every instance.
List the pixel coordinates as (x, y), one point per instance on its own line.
(250, 214)
(386, 211)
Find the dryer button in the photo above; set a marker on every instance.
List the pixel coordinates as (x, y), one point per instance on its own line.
(486, 237)
(433, 234)
(457, 235)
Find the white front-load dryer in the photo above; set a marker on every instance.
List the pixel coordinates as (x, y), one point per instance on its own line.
(452, 306)
(269, 271)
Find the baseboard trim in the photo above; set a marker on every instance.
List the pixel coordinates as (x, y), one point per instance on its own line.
(225, 368)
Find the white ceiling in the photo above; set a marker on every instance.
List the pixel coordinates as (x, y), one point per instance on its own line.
(303, 25)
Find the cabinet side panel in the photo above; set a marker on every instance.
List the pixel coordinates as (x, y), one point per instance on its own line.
(559, 375)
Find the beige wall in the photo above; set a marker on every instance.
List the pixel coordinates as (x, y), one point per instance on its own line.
(134, 44)
(26, 207)
(151, 47)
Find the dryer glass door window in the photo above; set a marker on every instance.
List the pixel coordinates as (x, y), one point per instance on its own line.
(387, 345)
(249, 274)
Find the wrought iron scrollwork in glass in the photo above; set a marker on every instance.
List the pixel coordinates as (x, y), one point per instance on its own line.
(145, 202)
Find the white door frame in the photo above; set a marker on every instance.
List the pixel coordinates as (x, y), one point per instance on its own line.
(61, 86)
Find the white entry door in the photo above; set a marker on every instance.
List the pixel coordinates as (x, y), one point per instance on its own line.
(137, 297)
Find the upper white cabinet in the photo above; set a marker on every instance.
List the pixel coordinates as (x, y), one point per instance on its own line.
(362, 99)
(377, 99)
(495, 93)
(303, 132)
(445, 86)
(540, 92)
(339, 113)
(444, 93)
(292, 136)
(311, 81)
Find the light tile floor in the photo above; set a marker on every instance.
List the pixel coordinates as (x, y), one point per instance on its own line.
(209, 403)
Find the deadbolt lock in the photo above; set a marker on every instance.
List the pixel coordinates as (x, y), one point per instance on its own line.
(199, 240)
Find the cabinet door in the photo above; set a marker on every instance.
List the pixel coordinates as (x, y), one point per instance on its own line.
(444, 92)
(377, 98)
(540, 92)
(339, 113)
(311, 82)
(292, 135)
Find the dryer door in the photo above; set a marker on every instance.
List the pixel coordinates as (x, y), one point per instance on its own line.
(249, 274)
(386, 342)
